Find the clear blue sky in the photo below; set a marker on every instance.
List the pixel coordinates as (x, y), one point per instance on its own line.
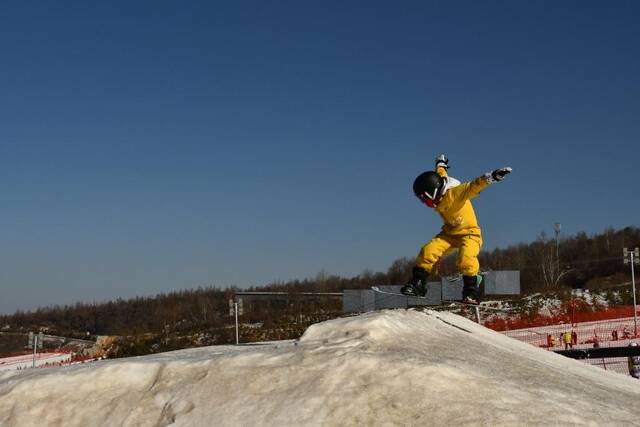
(153, 146)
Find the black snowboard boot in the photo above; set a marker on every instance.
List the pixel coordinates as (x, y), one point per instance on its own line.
(417, 286)
(471, 289)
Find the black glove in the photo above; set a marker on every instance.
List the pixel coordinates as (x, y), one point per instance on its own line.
(499, 174)
(442, 162)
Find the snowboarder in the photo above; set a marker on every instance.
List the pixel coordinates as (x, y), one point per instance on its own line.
(451, 199)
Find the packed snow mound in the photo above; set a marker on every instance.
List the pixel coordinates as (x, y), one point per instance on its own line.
(393, 367)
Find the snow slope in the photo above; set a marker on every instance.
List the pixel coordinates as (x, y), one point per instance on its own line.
(393, 367)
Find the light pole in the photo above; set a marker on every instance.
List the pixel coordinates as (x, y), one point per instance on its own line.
(557, 228)
(633, 257)
(36, 341)
(235, 310)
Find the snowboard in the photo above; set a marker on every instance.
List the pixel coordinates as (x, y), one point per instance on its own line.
(444, 302)
(456, 277)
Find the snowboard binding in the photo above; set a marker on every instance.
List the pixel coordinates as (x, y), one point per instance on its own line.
(471, 289)
(417, 286)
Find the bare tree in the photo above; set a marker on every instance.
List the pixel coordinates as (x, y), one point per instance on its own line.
(547, 254)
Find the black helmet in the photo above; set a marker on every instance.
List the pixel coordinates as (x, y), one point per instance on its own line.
(428, 188)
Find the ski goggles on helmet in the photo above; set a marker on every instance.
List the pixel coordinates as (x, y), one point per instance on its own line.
(427, 199)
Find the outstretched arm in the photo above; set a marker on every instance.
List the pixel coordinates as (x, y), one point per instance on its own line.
(471, 189)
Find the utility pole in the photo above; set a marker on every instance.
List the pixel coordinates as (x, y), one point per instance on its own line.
(633, 258)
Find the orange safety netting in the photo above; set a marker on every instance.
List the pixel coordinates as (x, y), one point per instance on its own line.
(566, 315)
(574, 327)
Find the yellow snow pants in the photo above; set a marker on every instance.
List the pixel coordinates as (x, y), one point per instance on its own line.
(468, 247)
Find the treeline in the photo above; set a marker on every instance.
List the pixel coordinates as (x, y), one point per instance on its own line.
(581, 261)
(578, 261)
(135, 316)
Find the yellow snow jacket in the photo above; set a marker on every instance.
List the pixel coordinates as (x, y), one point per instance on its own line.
(455, 207)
